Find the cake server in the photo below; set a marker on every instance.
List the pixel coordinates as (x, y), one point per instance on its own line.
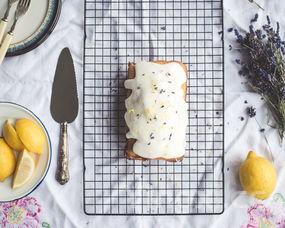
(64, 108)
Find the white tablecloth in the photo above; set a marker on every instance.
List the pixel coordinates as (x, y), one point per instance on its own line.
(27, 80)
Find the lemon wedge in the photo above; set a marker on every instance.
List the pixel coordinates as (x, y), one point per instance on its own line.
(11, 136)
(7, 161)
(24, 170)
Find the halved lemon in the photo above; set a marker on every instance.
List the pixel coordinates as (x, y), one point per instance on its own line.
(7, 161)
(24, 170)
(31, 135)
(11, 136)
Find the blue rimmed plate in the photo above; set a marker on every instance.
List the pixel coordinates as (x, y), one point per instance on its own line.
(34, 27)
(14, 111)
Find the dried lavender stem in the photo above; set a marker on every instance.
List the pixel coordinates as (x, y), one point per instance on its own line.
(263, 65)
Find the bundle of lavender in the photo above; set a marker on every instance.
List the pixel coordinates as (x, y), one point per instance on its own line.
(263, 65)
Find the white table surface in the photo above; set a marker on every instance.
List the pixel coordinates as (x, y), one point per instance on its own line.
(27, 80)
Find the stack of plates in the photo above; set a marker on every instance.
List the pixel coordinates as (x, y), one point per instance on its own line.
(34, 27)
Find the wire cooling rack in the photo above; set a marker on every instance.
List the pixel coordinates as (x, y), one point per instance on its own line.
(122, 31)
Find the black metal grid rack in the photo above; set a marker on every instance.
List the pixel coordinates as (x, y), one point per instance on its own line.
(122, 31)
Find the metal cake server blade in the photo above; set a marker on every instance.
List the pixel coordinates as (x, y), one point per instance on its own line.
(64, 108)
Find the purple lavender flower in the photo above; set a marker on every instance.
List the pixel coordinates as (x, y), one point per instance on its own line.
(251, 112)
(254, 19)
(259, 35)
(263, 65)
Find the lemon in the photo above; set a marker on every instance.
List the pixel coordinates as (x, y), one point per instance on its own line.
(7, 160)
(11, 136)
(24, 170)
(31, 135)
(257, 176)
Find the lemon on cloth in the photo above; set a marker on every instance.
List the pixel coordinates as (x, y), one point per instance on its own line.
(257, 176)
(11, 137)
(24, 170)
(7, 160)
(31, 135)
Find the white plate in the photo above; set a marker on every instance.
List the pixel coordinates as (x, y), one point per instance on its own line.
(14, 111)
(34, 27)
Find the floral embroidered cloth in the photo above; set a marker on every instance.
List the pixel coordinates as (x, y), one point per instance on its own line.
(23, 212)
(27, 80)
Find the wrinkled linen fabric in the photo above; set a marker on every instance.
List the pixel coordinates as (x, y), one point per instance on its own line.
(27, 80)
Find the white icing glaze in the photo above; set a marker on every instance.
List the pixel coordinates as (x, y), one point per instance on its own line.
(156, 110)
